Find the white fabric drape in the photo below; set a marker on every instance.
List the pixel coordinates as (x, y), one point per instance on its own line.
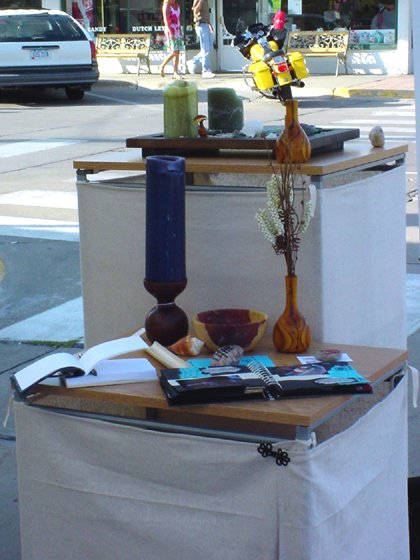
(90, 489)
(351, 264)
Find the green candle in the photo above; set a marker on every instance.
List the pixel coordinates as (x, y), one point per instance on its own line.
(180, 106)
(225, 108)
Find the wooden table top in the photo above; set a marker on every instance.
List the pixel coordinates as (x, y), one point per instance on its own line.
(375, 364)
(356, 153)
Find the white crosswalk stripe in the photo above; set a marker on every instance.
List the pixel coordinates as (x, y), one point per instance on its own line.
(39, 228)
(13, 149)
(41, 199)
(409, 112)
(372, 121)
(398, 123)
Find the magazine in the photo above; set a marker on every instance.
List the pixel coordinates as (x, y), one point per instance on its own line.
(255, 380)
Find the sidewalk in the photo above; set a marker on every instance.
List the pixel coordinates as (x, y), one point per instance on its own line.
(351, 85)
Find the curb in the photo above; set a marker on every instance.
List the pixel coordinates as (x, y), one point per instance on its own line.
(132, 80)
(359, 92)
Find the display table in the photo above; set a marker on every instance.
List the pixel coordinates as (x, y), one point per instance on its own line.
(357, 155)
(351, 263)
(289, 417)
(151, 482)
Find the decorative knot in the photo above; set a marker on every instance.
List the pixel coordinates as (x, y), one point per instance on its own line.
(282, 457)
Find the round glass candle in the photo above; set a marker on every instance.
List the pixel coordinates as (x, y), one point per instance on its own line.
(165, 219)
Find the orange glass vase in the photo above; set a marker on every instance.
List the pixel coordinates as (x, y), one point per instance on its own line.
(291, 333)
(293, 145)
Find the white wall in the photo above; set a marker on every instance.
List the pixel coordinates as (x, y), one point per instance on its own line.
(415, 6)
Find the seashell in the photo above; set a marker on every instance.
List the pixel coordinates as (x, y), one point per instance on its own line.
(377, 137)
(226, 355)
(187, 346)
(328, 355)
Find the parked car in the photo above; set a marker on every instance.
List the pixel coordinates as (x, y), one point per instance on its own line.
(46, 49)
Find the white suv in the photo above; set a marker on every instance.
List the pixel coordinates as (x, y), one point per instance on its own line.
(46, 48)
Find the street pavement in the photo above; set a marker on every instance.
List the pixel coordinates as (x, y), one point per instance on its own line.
(344, 85)
(15, 354)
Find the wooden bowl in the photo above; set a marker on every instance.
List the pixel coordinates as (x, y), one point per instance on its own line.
(221, 327)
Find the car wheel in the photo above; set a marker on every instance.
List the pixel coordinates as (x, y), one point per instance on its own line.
(74, 94)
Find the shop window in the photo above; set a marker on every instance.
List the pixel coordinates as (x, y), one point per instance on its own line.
(131, 16)
(372, 25)
(376, 28)
(238, 14)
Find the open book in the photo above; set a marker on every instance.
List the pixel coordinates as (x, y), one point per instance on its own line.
(72, 366)
(255, 380)
(114, 372)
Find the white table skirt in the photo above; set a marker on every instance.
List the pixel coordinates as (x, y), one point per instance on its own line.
(91, 489)
(351, 263)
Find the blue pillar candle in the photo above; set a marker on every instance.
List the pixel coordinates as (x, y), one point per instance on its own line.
(165, 219)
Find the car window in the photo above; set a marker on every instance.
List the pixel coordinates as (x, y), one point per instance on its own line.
(39, 27)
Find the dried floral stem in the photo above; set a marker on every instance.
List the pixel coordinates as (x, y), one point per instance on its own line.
(280, 222)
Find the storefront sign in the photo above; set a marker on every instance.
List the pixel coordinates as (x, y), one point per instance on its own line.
(146, 28)
(361, 38)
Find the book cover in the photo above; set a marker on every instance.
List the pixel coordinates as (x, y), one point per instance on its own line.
(254, 380)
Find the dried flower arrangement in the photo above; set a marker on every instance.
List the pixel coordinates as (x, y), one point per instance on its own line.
(282, 222)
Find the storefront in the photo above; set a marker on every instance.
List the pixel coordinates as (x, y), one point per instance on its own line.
(380, 33)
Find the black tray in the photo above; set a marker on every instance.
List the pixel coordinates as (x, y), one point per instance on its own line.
(322, 140)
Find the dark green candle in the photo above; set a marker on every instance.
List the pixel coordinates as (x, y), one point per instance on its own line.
(225, 110)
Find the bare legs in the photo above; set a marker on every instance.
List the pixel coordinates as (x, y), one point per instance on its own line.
(175, 56)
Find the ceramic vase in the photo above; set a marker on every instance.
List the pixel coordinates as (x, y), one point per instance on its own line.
(291, 333)
(293, 145)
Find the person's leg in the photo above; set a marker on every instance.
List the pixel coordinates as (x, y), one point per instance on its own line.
(197, 59)
(206, 43)
(176, 64)
(161, 67)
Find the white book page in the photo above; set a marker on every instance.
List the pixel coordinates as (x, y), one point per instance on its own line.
(110, 349)
(112, 372)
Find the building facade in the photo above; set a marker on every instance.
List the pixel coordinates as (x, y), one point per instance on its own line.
(380, 33)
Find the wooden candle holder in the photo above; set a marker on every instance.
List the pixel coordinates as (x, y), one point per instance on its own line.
(166, 322)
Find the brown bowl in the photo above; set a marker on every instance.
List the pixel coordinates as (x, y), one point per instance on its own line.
(220, 327)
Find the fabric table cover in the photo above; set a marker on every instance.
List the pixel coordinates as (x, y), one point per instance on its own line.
(351, 262)
(93, 489)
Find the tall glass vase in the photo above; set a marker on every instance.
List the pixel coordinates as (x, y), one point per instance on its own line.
(293, 145)
(291, 333)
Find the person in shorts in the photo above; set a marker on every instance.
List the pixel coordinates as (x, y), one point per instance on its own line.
(171, 12)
